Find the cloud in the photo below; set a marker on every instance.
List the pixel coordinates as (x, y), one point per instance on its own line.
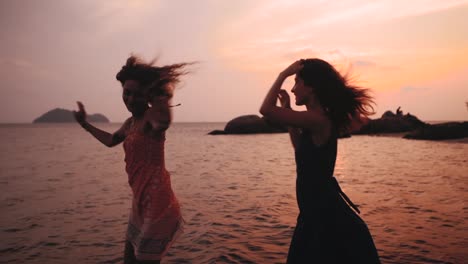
(413, 89)
(16, 63)
(326, 13)
(24, 69)
(319, 25)
(118, 15)
(442, 99)
(364, 64)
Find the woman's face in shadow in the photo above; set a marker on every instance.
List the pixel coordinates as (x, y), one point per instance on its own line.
(302, 93)
(133, 97)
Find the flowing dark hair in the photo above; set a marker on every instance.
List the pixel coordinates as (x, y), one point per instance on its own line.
(341, 100)
(158, 81)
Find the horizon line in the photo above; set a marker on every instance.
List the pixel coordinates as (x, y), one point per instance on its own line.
(180, 122)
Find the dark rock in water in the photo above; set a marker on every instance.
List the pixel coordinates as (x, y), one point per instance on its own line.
(217, 132)
(59, 115)
(388, 114)
(388, 123)
(392, 123)
(249, 124)
(451, 130)
(398, 123)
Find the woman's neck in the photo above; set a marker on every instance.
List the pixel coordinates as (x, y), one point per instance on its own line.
(315, 106)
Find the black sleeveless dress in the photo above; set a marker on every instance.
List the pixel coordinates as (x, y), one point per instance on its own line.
(327, 230)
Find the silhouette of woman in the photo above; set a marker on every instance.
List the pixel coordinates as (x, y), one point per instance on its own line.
(155, 217)
(327, 230)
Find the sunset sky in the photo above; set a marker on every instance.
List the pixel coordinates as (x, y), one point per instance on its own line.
(412, 54)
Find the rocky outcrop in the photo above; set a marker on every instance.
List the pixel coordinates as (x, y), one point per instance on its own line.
(249, 124)
(388, 123)
(391, 123)
(59, 115)
(451, 130)
(415, 128)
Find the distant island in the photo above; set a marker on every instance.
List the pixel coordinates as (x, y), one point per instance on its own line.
(59, 115)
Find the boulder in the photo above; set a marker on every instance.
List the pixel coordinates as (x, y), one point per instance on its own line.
(391, 123)
(451, 130)
(249, 124)
(217, 132)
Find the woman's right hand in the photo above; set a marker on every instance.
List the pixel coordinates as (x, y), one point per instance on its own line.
(284, 99)
(80, 115)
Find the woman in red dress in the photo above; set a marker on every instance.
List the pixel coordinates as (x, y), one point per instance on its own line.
(155, 218)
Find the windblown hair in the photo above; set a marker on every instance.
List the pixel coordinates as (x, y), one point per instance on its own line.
(341, 100)
(159, 81)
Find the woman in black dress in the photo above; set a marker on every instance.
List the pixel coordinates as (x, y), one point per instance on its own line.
(328, 228)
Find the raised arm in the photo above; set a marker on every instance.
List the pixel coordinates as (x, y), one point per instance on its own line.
(286, 116)
(294, 132)
(104, 137)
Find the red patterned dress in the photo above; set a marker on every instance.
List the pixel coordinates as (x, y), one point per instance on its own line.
(155, 219)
